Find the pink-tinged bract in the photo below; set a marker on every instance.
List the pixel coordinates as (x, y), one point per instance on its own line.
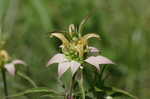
(10, 68)
(63, 67)
(74, 66)
(97, 60)
(93, 49)
(91, 60)
(104, 60)
(17, 61)
(58, 58)
(64, 64)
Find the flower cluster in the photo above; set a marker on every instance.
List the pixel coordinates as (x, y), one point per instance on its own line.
(7, 64)
(75, 51)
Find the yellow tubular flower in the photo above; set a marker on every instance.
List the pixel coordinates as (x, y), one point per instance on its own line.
(83, 42)
(62, 38)
(80, 47)
(88, 36)
(71, 29)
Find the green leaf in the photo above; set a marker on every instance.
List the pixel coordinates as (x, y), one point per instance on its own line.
(82, 23)
(81, 85)
(27, 78)
(66, 79)
(98, 90)
(116, 90)
(34, 90)
(50, 95)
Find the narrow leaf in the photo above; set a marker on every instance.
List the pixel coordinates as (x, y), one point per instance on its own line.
(124, 92)
(82, 23)
(33, 90)
(98, 89)
(27, 78)
(50, 95)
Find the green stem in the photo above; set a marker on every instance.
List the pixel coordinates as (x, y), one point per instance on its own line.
(71, 86)
(65, 97)
(102, 72)
(81, 85)
(5, 83)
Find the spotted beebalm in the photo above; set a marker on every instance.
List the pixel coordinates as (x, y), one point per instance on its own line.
(75, 51)
(9, 66)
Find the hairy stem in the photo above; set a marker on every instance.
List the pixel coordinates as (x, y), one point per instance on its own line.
(5, 83)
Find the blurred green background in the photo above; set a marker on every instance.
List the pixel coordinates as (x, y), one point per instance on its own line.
(124, 27)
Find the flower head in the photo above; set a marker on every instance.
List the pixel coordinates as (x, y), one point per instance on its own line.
(74, 51)
(7, 64)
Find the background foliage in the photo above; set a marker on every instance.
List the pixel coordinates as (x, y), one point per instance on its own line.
(122, 24)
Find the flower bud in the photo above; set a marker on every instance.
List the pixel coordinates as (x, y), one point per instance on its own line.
(4, 57)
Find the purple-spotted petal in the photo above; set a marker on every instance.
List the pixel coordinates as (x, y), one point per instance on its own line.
(17, 61)
(74, 66)
(58, 58)
(63, 67)
(93, 61)
(10, 68)
(93, 49)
